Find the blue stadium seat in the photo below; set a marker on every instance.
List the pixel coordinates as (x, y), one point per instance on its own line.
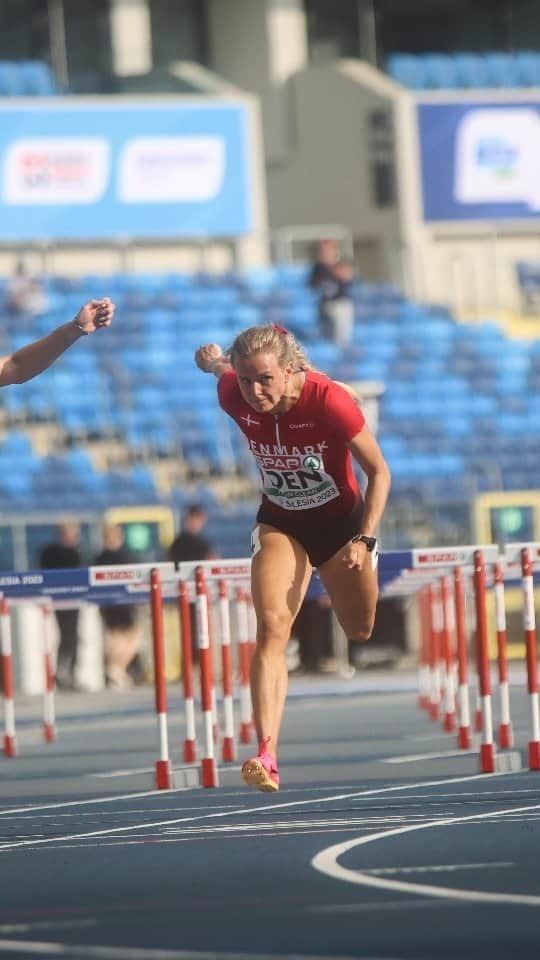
(10, 79)
(37, 79)
(406, 69)
(472, 71)
(440, 72)
(527, 68)
(501, 70)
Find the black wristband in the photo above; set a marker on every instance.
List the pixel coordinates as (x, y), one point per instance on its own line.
(370, 542)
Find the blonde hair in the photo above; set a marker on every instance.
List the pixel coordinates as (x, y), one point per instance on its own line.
(269, 338)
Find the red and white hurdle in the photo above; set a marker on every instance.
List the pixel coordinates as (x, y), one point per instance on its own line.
(489, 570)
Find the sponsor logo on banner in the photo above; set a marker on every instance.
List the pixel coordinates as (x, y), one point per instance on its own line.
(171, 169)
(496, 152)
(442, 556)
(230, 571)
(108, 576)
(24, 579)
(56, 170)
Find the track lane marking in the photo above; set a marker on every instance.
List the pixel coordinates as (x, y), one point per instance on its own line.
(74, 950)
(378, 791)
(326, 862)
(440, 754)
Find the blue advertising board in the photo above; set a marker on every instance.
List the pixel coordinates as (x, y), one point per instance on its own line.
(479, 161)
(159, 169)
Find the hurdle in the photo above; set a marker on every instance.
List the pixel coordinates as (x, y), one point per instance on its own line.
(163, 765)
(490, 569)
(505, 736)
(49, 725)
(186, 658)
(464, 740)
(220, 588)
(10, 741)
(527, 555)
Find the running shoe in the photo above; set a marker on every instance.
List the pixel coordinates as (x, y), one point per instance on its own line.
(261, 771)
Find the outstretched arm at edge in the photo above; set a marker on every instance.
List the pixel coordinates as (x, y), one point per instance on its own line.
(35, 357)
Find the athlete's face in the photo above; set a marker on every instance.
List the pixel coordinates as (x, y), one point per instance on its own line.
(262, 381)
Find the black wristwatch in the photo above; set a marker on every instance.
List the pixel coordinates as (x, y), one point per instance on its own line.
(370, 542)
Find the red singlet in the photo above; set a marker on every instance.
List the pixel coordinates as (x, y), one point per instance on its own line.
(302, 455)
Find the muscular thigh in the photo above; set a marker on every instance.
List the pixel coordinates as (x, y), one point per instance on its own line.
(280, 574)
(353, 593)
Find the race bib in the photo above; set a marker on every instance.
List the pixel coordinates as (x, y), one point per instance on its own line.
(299, 486)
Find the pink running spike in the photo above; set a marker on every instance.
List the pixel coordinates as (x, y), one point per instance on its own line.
(261, 771)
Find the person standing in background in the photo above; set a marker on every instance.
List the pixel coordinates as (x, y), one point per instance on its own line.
(120, 621)
(331, 277)
(59, 555)
(191, 545)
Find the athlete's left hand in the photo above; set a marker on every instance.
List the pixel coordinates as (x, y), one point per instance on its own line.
(354, 555)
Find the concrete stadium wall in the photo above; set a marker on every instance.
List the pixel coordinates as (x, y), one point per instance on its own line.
(327, 176)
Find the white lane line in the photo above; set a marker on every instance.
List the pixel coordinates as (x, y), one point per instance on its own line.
(440, 868)
(326, 862)
(378, 791)
(119, 773)
(45, 925)
(412, 757)
(74, 950)
(83, 803)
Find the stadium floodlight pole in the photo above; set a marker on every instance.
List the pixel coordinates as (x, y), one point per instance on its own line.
(10, 743)
(487, 746)
(163, 766)
(49, 724)
(464, 729)
(529, 625)
(190, 741)
(505, 726)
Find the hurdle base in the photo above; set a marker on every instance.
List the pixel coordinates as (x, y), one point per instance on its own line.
(464, 739)
(10, 746)
(449, 722)
(433, 711)
(506, 738)
(49, 732)
(163, 778)
(228, 753)
(209, 774)
(534, 755)
(245, 732)
(487, 758)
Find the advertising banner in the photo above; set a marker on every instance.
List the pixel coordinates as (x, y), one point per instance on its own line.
(80, 170)
(480, 161)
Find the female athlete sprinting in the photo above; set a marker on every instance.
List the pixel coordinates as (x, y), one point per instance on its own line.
(302, 429)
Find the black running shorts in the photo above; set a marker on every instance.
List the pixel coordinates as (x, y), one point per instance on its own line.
(322, 538)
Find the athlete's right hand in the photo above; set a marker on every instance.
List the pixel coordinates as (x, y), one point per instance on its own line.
(206, 356)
